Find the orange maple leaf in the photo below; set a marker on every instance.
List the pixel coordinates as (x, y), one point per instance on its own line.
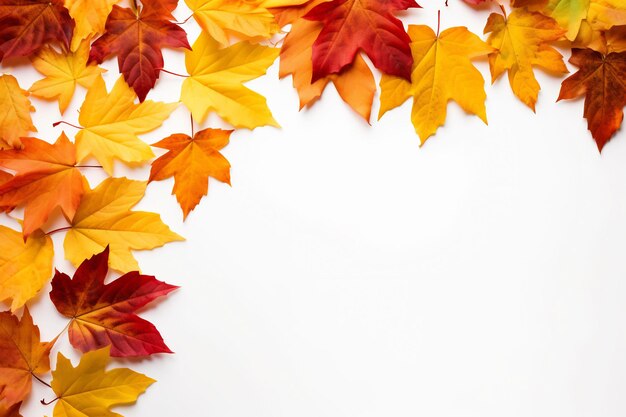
(21, 355)
(46, 178)
(191, 162)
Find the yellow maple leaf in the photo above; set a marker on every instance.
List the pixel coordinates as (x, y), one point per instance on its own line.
(522, 42)
(215, 82)
(568, 13)
(90, 17)
(355, 84)
(604, 14)
(112, 122)
(15, 109)
(89, 390)
(104, 218)
(63, 71)
(246, 19)
(442, 71)
(25, 267)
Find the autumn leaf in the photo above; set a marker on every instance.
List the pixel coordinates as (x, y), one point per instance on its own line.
(112, 122)
(355, 84)
(522, 42)
(22, 355)
(137, 37)
(104, 218)
(442, 72)
(27, 25)
(246, 19)
(15, 108)
(25, 266)
(215, 82)
(63, 72)
(104, 314)
(46, 178)
(604, 14)
(286, 14)
(90, 17)
(89, 390)
(600, 79)
(191, 161)
(10, 411)
(368, 25)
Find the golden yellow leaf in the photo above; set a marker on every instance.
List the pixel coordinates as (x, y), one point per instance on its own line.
(25, 267)
(522, 42)
(89, 390)
(15, 109)
(604, 14)
(63, 71)
(355, 84)
(442, 71)
(104, 218)
(112, 122)
(245, 19)
(215, 82)
(568, 13)
(90, 17)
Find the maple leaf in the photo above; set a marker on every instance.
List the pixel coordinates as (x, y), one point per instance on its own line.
(568, 13)
(604, 14)
(15, 109)
(25, 266)
(90, 390)
(355, 84)
(285, 13)
(21, 356)
(113, 121)
(104, 218)
(600, 79)
(442, 72)
(27, 25)
(90, 17)
(350, 25)
(191, 162)
(246, 19)
(46, 178)
(215, 82)
(63, 72)
(137, 37)
(522, 41)
(104, 314)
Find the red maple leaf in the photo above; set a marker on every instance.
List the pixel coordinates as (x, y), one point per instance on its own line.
(137, 37)
(104, 314)
(27, 25)
(350, 25)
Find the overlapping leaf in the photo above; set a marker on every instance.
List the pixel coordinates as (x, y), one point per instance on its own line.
(368, 25)
(112, 122)
(137, 37)
(15, 109)
(25, 266)
(215, 82)
(191, 161)
(27, 25)
(104, 314)
(442, 72)
(22, 355)
(522, 42)
(90, 390)
(90, 17)
(63, 72)
(45, 178)
(104, 218)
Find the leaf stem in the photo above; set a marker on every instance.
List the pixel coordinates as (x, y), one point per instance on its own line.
(55, 124)
(438, 21)
(60, 229)
(191, 119)
(41, 380)
(173, 73)
(43, 401)
(184, 21)
(503, 11)
(87, 166)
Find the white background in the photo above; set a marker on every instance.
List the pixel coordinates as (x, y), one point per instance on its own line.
(351, 272)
